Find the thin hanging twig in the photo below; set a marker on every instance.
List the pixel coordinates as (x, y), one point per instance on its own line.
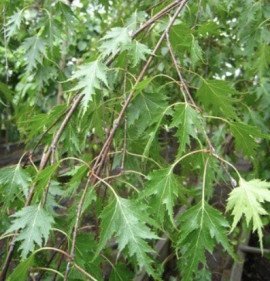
(197, 14)
(75, 230)
(125, 126)
(199, 110)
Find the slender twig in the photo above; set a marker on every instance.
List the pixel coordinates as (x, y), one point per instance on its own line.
(62, 65)
(253, 250)
(45, 194)
(64, 253)
(125, 126)
(6, 69)
(204, 181)
(84, 272)
(197, 14)
(56, 138)
(8, 258)
(47, 154)
(183, 85)
(186, 91)
(5, 42)
(76, 226)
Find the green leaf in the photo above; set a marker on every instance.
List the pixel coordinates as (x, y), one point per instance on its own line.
(90, 76)
(121, 273)
(146, 110)
(13, 181)
(84, 252)
(137, 52)
(144, 84)
(35, 50)
(196, 52)
(43, 178)
(116, 38)
(44, 75)
(134, 21)
(66, 13)
(204, 275)
(14, 23)
(208, 28)
(263, 59)
(34, 224)
(35, 125)
(187, 121)
(180, 36)
(246, 200)
(21, 272)
(244, 138)
(52, 30)
(77, 175)
(164, 186)
(6, 92)
(216, 96)
(124, 219)
(201, 227)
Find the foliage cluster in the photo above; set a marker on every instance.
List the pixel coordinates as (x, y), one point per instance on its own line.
(134, 114)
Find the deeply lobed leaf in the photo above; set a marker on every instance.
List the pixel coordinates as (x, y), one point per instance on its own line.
(90, 76)
(124, 219)
(246, 200)
(35, 50)
(163, 185)
(13, 181)
(201, 228)
(34, 224)
(216, 95)
(187, 121)
(116, 38)
(245, 137)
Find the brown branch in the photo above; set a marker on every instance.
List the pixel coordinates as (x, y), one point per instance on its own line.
(103, 153)
(84, 272)
(5, 42)
(105, 149)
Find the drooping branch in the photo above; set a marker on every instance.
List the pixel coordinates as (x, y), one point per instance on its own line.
(103, 153)
(97, 167)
